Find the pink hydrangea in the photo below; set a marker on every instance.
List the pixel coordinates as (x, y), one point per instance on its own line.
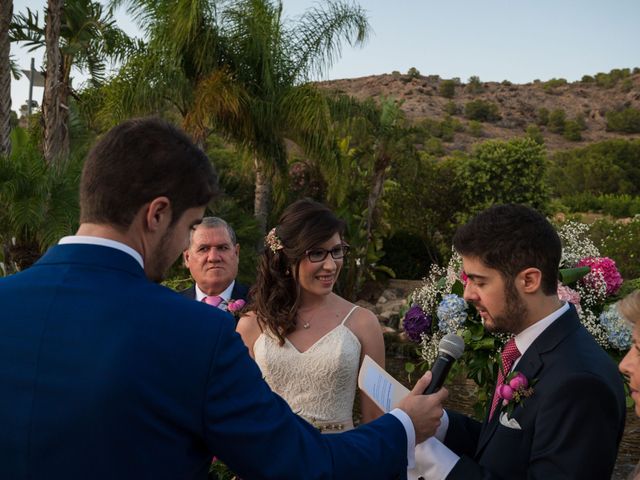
(567, 294)
(607, 267)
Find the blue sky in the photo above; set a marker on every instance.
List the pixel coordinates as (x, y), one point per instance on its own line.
(516, 40)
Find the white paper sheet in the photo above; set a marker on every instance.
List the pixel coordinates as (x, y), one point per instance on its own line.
(382, 388)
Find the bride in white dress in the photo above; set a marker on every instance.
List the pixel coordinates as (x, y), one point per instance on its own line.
(308, 341)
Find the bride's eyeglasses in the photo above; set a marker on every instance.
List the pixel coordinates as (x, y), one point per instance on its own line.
(316, 255)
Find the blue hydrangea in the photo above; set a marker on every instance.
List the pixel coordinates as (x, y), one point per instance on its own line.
(617, 329)
(452, 313)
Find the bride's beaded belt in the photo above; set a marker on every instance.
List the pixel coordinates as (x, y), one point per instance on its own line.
(332, 427)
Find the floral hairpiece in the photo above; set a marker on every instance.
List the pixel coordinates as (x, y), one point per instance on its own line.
(273, 241)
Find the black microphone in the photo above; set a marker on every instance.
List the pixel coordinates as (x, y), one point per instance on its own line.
(450, 349)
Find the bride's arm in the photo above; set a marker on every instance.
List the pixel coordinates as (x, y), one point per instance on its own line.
(368, 330)
(249, 330)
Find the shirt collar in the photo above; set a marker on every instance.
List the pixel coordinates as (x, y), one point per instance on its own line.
(226, 293)
(104, 242)
(526, 337)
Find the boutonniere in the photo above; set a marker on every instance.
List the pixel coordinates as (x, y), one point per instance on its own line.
(234, 306)
(514, 391)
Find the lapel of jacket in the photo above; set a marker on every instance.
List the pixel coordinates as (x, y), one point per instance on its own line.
(532, 362)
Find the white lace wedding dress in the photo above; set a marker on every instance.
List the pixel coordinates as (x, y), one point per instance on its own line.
(320, 383)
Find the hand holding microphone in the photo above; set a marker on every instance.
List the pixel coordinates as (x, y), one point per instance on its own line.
(450, 349)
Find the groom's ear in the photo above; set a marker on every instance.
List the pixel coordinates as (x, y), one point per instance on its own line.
(529, 280)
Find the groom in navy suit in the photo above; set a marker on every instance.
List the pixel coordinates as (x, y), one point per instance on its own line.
(107, 375)
(571, 425)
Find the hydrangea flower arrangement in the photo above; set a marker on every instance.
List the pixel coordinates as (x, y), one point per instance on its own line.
(595, 281)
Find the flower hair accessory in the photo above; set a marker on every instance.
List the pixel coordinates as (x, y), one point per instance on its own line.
(514, 391)
(273, 241)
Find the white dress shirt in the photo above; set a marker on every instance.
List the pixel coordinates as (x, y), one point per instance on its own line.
(104, 242)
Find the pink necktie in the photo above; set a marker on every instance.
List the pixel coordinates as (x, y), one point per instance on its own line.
(509, 355)
(214, 300)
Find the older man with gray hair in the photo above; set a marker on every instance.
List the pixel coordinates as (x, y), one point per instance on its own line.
(212, 258)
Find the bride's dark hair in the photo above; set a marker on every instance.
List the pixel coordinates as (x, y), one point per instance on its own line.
(303, 225)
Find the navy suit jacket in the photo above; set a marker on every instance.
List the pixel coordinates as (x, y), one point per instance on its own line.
(106, 375)
(570, 427)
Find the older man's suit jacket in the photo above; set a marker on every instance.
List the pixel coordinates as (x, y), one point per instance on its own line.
(105, 375)
(239, 291)
(570, 427)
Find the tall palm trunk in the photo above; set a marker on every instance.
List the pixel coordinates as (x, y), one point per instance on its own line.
(6, 11)
(262, 195)
(377, 185)
(54, 107)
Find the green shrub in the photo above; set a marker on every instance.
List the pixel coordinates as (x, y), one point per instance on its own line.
(433, 146)
(451, 108)
(534, 133)
(557, 119)
(572, 131)
(482, 111)
(503, 172)
(543, 116)
(475, 128)
(550, 85)
(611, 167)
(474, 85)
(587, 79)
(615, 205)
(413, 72)
(621, 242)
(627, 121)
(408, 255)
(447, 88)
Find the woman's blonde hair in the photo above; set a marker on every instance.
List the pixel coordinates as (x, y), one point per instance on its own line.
(629, 307)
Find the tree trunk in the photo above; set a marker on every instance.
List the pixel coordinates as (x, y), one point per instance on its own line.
(377, 185)
(262, 196)
(54, 107)
(6, 12)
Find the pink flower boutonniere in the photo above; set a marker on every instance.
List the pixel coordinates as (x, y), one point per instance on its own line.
(234, 306)
(514, 391)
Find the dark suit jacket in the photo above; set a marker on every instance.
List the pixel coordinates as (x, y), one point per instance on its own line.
(239, 292)
(571, 425)
(105, 375)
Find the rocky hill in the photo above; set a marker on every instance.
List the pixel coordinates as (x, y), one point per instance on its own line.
(518, 105)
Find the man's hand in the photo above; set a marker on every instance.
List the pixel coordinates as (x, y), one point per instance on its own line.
(424, 410)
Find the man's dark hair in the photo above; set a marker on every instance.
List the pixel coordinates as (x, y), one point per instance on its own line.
(137, 161)
(510, 238)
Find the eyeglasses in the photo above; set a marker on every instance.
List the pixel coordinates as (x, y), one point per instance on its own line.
(316, 255)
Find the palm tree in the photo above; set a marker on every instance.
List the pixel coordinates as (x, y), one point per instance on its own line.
(76, 33)
(6, 12)
(55, 104)
(240, 69)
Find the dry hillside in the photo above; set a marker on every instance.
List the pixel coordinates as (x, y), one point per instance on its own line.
(518, 104)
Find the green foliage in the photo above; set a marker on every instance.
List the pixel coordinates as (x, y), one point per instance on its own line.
(626, 121)
(572, 131)
(475, 129)
(608, 80)
(433, 146)
(587, 79)
(474, 85)
(550, 85)
(619, 240)
(611, 167)
(542, 117)
(533, 132)
(557, 119)
(451, 108)
(504, 172)
(447, 88)
(615, 205)
(482, 111)
(40, 202)
(413, 72)
(408, 255)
